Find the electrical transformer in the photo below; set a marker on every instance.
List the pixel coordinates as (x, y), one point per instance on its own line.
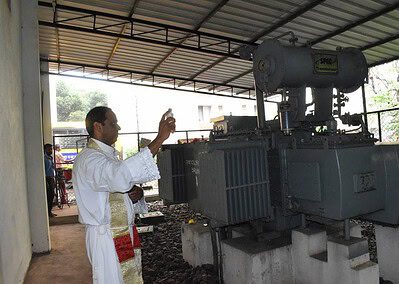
(297, 164)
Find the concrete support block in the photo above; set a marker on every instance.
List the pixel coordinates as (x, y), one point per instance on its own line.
(247, 261)
(356, 230)
(309, 255)
(196, 244)
(387, 239)
(336, 260)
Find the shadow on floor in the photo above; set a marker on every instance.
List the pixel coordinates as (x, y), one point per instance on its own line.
(65, 215)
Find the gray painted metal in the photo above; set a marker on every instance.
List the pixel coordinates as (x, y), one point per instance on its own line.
(234, 182)
(276, 66)
(192, 172)
(172, 181)
(387, 158)
(228, 123)
(179, 169)
(335, 183)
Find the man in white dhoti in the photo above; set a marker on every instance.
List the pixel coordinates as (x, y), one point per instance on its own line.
(101, 182)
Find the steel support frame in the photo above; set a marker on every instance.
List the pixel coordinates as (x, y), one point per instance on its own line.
(157, 81)
(200, 41)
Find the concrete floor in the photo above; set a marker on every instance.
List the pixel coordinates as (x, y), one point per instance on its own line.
(66, 215)
(67, 262)
(66, 211)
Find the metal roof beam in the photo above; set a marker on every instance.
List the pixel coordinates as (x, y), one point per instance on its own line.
(165, 41)
(380, 42)
(116, 44)
(354, 24)
(265, 32)
(196, 28)
(155, 83)
(383, 61)
(238, 76)
(286, 20)
(57, 34)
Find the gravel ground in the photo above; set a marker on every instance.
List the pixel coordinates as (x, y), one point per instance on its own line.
(368, 232)
(162, 254)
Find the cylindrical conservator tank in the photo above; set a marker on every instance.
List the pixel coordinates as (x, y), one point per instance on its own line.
(276, 66)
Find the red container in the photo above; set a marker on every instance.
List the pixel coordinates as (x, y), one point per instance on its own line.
(68, 174)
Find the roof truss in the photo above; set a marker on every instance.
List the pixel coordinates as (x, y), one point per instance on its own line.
(222, 50)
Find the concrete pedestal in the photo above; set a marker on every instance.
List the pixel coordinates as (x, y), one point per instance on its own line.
(313, 257)
(196, 244)
(247, 261)
(317, 259)
(387, 239)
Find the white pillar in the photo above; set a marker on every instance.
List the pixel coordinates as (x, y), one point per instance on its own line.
(46, 109)
(33, 127)
(1, 272)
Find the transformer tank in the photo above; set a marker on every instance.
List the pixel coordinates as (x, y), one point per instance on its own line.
(300, 163)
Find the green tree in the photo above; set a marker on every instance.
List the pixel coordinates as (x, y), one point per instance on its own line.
(78, 115)
(96, 98)
(67, 101)
(73, 104)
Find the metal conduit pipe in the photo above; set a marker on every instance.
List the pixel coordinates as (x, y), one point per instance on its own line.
(260, 105)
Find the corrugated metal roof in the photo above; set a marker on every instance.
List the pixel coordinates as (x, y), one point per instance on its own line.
(201, 42)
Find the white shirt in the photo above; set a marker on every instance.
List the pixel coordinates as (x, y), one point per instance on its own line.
(96, 173)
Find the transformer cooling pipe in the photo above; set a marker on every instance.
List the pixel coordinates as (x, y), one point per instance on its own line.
(260, 106)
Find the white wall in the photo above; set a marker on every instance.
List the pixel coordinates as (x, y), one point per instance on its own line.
(15, 243)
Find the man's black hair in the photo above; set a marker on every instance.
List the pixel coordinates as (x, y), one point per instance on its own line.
(46, 146)
(96, 114)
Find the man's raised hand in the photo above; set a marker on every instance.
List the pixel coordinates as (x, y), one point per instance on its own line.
(167, 125)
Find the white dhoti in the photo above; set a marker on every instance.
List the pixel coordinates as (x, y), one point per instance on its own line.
(101, 182)
(104, 259)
